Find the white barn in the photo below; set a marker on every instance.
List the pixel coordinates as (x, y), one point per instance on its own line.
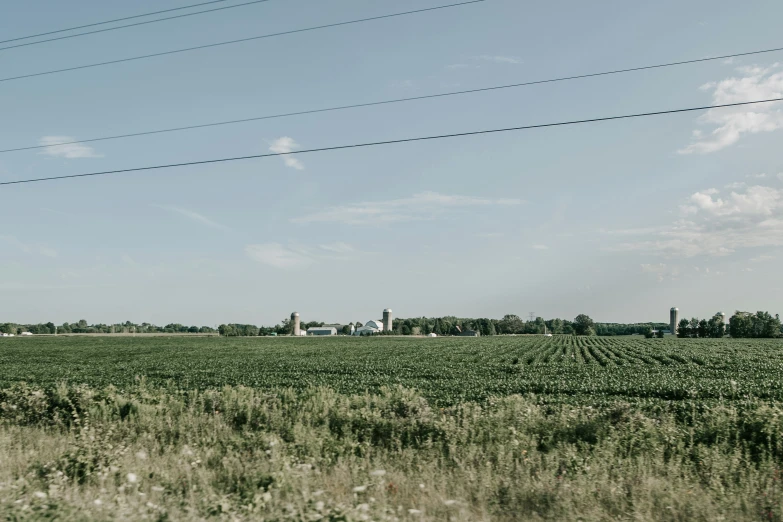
(372, 327)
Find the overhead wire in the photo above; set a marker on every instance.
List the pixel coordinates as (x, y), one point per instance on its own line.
(389, 142)
(396, 100)
(242, 40)
(112, 21)
(146, 22)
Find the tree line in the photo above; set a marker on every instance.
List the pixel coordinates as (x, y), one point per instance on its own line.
(82, 327)
(761, 325)
(743, 325)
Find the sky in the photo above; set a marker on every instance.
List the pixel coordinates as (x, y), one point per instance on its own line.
(619, 220)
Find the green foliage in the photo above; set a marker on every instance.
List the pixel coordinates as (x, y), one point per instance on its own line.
(238, 453)
(583, 325)
(445, 370)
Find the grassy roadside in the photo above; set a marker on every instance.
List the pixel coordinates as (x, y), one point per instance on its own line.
(236, 453)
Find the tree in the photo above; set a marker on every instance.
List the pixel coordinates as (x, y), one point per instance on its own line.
(648, 334)
(660, 333)
(715, 326)
(511, 324)
(583, 325)
(684, 328)
(703, 328)
(693, 327)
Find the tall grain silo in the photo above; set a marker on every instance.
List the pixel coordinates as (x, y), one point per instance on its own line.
(674, 319)
(387, 320)
(295, 320)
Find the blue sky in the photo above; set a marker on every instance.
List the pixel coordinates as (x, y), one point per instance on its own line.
(619, 220)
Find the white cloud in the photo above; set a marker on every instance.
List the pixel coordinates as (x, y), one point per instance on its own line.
(540, 247)
(278, 256)
(732, 123)
(294, 256)
(29, 248)
(719, 226)
(286, 145)
(747, 270)
(422, 206)
(757, 176)
(499, 59)
(71, 151)
(193, 216)
(736, 185)
(338, 248)
(761, 258)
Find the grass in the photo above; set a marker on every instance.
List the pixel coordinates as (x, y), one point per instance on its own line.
(249, 429)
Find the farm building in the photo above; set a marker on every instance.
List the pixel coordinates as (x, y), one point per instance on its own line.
(432, 335)
(372, 327)
(469, 333)
(322, 330)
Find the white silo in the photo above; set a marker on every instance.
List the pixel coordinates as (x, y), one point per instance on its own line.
(295, 321)
(387, 320)
(674, 319)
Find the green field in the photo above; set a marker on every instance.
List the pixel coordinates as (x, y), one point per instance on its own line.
(390, 429)
(445, 370)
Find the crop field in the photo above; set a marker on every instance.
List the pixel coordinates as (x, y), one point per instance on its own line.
(390, 429)
(445, 370)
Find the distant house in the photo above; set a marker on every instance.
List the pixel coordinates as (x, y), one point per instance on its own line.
(432, 335)
(26, 333)
(322, 330)
(469, 333)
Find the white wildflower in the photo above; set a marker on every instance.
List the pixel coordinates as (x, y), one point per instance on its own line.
(450, 502)
(414, 512)
(363, 507)
(141, 455)
(97, 502)
(359, 489)
(132, 478)
(319, 505)
(378, 473)
(421, 486)
(40, 494)
(318, 493)
(157, 488)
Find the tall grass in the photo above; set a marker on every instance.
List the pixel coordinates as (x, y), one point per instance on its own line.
(74, 453)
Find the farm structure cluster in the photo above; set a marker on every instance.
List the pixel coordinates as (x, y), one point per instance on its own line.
(371, 327)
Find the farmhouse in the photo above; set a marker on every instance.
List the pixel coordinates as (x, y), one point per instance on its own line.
(322, 330)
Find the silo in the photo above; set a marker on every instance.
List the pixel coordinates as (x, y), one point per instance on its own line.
(295, 321)
(387, 320)
(674, 319)
(722, 317)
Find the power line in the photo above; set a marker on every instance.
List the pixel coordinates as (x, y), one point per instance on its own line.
(392, 142)
(132, 25)
(397, 100)
(111, 21)
(241, 40)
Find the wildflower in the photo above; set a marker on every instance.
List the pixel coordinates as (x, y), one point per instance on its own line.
(141, 455)
(449, 502)
(318, 493)
(421, 486)
(319, 505)
(378, 473)
(132, 478)
(414, 512)
(157, 488)
(360, 489)
(97, 502)
(363, 507)
(40, 494)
